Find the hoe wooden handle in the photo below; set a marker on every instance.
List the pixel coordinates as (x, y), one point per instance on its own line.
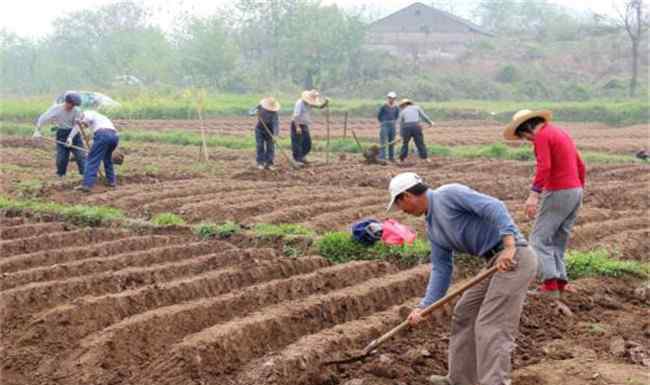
(431, 308)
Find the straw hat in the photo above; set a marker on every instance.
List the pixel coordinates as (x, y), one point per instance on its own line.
(404, 102)
(313, 98)
(270, 104)
(522, 116)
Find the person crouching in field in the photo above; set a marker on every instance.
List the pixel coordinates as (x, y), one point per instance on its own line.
(387, 116)
(266, 128)
(410, 119)
(65, 116)
(486, 318)
(300, 136)
(105, 141)
(559, 180)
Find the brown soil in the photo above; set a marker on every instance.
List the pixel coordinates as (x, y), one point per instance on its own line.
(105, 306)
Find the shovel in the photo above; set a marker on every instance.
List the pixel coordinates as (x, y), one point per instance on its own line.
(118, 157)
(268, 131)
(427, 311)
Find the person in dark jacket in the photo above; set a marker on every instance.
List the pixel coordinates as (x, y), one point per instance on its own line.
(267, 126)
(387, 116)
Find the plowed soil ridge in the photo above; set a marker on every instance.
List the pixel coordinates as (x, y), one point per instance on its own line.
(223, 348)
(36, 296)
(56, 240)
(168, 251)
(30, 230)
(79, 253)
(149, 333)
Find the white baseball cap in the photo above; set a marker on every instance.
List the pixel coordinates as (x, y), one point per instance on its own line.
(400, 184)
(391, 95)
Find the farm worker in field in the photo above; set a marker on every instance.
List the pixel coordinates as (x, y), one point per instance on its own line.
(559, 180)
(267, 126)
(387, 116)
(486, 318)
(65, 116)
(409, 118)
(105, 140)
(300, 136)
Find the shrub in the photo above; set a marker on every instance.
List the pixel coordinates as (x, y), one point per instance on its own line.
(167, 219)
(282, 230)
(79, 214)
(598, 263)
(228, 229)
(507, 74)
(205, 230)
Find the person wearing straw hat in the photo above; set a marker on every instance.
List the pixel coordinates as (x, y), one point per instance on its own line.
(300, 136)
(387, 116)
(486, 318)
(559, 181)
(267, 126)
(410, 118)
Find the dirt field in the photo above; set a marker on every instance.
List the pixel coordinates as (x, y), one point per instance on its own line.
(114, 306)
(588, 135)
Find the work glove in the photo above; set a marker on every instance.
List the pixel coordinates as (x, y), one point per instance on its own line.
(68, 142)
(37, 134)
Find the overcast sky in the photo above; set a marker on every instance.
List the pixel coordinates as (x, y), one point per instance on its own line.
(34, 18)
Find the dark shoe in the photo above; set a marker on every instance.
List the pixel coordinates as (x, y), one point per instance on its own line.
(110, 185)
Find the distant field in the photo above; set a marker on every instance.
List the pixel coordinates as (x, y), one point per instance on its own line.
(182, 106)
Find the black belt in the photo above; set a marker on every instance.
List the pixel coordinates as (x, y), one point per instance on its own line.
(493, 251)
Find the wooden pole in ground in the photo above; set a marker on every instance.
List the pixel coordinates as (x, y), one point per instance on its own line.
(203, 153)
(327, 125)
(345, 125)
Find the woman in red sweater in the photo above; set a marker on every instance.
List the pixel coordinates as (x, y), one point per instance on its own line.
(559, 180)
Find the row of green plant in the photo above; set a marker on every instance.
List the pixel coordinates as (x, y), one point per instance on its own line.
(78, 214)
(610, 111)
(260, 230)
(339, 145)
(599, 262)
(340, 247)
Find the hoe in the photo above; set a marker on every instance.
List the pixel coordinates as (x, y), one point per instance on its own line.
(368, 350)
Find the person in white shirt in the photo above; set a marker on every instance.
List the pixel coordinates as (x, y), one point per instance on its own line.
(65, 116)
(105, 141)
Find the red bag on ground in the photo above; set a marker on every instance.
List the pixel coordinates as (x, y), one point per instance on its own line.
(395, 233)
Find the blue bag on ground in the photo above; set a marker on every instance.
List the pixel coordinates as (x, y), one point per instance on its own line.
(367, 231)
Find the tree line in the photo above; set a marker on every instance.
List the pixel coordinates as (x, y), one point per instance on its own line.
(252, 45)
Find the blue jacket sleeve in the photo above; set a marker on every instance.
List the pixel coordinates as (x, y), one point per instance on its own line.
(275, 124)
(442, 267)
(380, 113)
(484, 206)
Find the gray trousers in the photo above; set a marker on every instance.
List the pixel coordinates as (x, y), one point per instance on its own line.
(484, 324)
(550, 236)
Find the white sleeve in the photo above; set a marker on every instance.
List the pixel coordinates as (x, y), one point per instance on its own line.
(46, 116)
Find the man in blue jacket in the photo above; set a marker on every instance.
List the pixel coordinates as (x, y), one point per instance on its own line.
(387, 116)
(486, 318)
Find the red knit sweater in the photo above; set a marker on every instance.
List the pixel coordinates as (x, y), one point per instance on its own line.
(559, 165)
